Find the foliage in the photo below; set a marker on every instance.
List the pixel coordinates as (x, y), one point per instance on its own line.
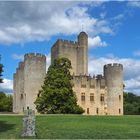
(131, 104)
(57, 95)
(5, 102)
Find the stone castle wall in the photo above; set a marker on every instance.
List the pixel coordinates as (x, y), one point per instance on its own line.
(76, 52)
(90, 88)
(64, 48)
(28, 80)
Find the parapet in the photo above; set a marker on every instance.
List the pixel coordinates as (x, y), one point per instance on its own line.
(114, 65)
(14, 75)
(34, 55)
(84, 77)
(66, 43)
(21, 65)
(99, 77)
(89, 82)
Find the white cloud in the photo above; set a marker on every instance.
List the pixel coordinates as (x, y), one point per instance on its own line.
(119, 17)
(134, 3)
(96, 42)
(18, 57)
(131, 70)
(7, 86)
(39, 20)
(137, 53)
(102, 15)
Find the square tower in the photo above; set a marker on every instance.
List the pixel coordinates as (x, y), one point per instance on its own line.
(76, 52)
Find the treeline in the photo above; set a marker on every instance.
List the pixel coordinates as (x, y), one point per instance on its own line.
(6, 102)
(131, 104)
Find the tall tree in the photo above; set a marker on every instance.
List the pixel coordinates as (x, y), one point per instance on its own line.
(57, 95)
(131, 104)
(6, 102)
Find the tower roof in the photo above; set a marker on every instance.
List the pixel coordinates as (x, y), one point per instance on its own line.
(82, 33)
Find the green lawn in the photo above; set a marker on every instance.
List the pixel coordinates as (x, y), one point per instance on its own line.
(74, 127)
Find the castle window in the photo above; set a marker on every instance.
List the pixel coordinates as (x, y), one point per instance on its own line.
(119, 111)
(102, 87)
(21, 96)
(87, 110)
(102, 98)
(97, 110)
(119, 97)
(91, 97)
(83, 97)
(92, 86)
(83, 86)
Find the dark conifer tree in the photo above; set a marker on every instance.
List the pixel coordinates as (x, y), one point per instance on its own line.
(57, 95)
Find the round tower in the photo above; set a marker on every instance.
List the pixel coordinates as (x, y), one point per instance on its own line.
(34, 74)
(83, 39)
(82, 54)
(113, 74)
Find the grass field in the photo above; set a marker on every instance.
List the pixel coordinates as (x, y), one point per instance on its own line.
(74, 127)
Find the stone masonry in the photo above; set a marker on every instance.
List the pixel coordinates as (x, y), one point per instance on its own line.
(28, 79)
(98, 95)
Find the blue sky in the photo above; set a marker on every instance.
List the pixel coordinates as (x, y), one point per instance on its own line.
(113, 29)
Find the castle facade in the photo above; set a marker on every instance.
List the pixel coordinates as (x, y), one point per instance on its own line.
(28, 79)
(97, 95)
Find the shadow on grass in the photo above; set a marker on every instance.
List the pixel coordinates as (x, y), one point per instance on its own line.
(4, 126)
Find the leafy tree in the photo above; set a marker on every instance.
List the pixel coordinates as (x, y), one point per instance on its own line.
(57, 95)
(6, 102)
(131, 104)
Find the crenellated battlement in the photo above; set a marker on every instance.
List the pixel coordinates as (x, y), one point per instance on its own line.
(21, 65)
(89, 82)
(99, 77)
(29, 56)
(34, 55)
(88, 78)
(14, 76)
(17, 70)
(66, 43)
(113, 65)
(80, 77)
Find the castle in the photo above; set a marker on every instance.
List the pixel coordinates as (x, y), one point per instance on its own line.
(97, 95)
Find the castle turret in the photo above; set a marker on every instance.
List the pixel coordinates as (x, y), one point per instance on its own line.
(82, 54)
(83, 39)
(28, 79)
(113, 74)
(34, 74)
